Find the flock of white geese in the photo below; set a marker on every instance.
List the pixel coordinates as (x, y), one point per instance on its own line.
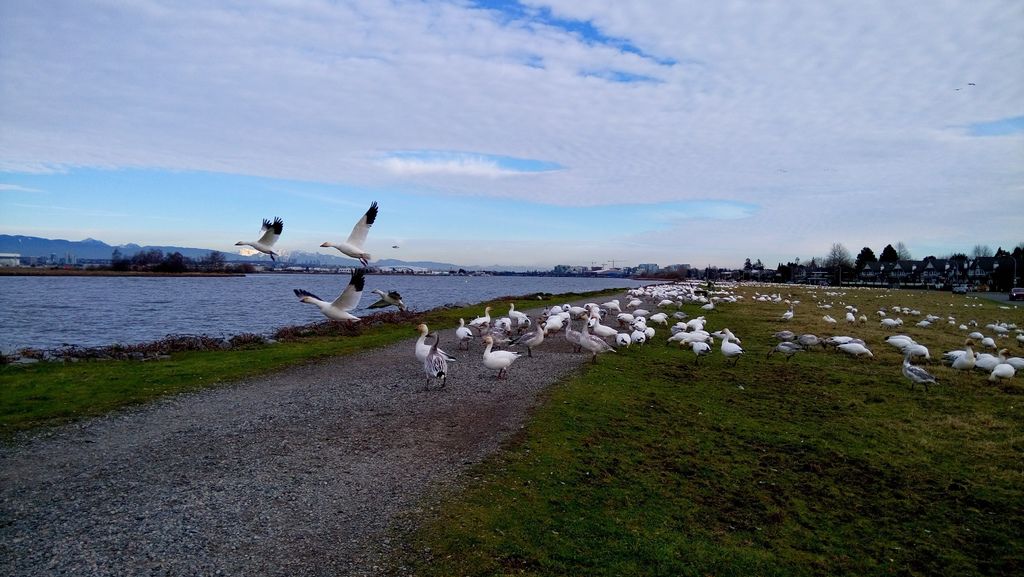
(599, 326)
(998, 366)
(634, 324)
(611, 324)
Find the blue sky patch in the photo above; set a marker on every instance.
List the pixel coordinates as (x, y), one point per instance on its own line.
(1002, 127)
(514, 11)
(465, 162)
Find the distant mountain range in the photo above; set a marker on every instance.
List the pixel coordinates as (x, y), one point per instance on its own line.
(90, 248)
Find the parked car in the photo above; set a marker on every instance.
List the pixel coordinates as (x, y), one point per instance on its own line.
(960, 289)
(1017, 294)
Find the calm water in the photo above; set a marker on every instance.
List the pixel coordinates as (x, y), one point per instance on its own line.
(47, 312)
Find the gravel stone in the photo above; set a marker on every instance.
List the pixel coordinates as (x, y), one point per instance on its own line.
(306, 472)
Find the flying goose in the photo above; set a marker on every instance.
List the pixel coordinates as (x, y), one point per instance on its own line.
(387, 299)
(348, 300)
(271, 232)
(353, 247)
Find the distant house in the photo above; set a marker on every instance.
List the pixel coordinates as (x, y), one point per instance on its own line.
(979, 270)
(934, 271)
(872, 272)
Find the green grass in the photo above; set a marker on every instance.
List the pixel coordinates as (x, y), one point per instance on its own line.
(52, 393)
(648, 465)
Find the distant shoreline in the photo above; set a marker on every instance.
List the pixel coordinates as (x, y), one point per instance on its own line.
(20, 271)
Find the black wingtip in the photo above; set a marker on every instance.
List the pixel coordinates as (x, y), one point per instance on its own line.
(358, 279)
(304, 293)
(371, 214)
(278, 225)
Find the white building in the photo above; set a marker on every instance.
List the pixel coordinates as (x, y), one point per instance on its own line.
(10, 259)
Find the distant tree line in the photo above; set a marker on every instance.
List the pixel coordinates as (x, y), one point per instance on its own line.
(154, 260)
(840, 266)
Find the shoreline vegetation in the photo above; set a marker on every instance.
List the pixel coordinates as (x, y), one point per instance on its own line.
(649, 464)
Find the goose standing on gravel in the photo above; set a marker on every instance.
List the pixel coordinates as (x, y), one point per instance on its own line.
(353, 247)
(423, 349)
(916, 374)
(387, 299)
(271, 232)
(573, 336)
(348, 300)
(531, 339)
(464, 335)
(436, 364)
(520, 318)
(481, 322)
(500, 360)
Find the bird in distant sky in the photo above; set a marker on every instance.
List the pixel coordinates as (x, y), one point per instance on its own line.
(971, 84)
(271, 232)
(353, 246)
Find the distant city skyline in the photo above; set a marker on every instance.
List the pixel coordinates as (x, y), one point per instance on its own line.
(519, 133)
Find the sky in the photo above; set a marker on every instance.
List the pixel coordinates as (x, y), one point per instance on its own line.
(521, 133)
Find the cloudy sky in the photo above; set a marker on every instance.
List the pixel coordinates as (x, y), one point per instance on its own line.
(518, 132)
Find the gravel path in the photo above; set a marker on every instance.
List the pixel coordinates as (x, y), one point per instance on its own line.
(302, 472)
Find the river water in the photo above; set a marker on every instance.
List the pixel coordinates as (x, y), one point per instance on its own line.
(48, 312)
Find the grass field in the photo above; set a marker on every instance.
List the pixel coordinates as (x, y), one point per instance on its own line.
(52, 393)
(646, 464)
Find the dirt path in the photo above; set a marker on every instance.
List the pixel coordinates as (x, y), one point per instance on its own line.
(302, 472)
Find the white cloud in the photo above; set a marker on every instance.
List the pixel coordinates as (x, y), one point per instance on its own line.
(17, 188)
(832, 116)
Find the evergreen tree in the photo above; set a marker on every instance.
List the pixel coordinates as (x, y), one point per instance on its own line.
(889, 254)
(865, 256)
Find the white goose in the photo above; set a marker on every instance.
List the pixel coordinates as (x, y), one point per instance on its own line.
(348, 300)
(423, 349)
(271, 232)
(855, 350)
(520, 318)
(1003, 370)
(353, 246)
(700, 349)
(481, 322)
(500, 360)
(464, 335)
(601, 331)
(965, 360)
(731, 350)
(593, 343)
